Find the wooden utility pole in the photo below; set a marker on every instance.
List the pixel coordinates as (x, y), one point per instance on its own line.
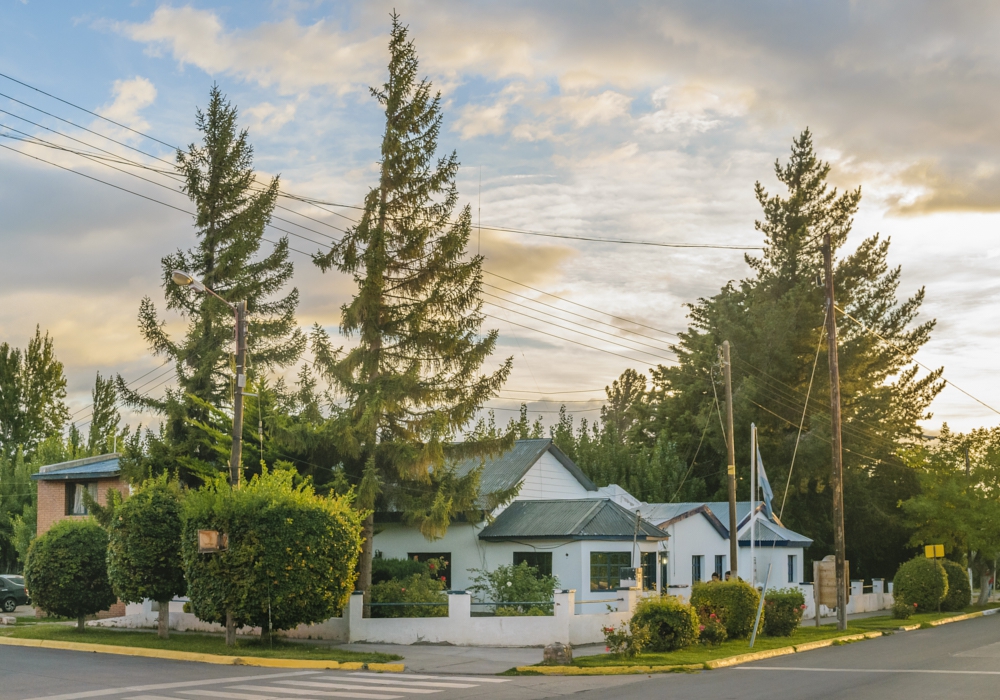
(731, 467)
(837, 463)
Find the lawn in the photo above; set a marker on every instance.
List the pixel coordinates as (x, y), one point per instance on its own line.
(198, 643)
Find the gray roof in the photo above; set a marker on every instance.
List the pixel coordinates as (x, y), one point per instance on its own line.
(666, 514)
(99, 467)
(503, 472)
(769, 531)
(769, 534)
(583, 519)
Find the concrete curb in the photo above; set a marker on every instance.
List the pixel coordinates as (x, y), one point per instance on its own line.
(203, 658)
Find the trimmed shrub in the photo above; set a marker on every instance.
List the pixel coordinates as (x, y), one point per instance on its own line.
(671, 624)
(783, 611)
(711, 631)
(901, 610)
(627, 640)
(67, 571)
(420, 587)
(922, 581)
(734, 602)
(959, 591)
(399, 569)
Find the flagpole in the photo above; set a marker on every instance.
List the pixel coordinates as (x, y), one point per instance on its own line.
(753, 498)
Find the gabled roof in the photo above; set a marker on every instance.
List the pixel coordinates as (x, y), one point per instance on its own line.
(99, 467)
(503, 472)
(583, 519)
(770, 531)
(770, 534)
(666, 514)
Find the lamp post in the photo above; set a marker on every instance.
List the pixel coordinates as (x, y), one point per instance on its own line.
(240, 311)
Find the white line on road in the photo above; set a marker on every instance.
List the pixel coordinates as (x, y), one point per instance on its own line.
(228, 696)
(167, 686)
(868, 670)
(474, 679)
(420, 684)
(319, 693)
(341, 686)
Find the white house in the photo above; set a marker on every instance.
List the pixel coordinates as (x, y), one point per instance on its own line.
(559, 521)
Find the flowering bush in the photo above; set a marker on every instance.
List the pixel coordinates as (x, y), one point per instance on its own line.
(711, 630)
(921, 581)
(783, 609)
(901, 610)
(626, 640)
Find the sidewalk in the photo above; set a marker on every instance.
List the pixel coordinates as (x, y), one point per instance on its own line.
(427, 658)
(832, 619)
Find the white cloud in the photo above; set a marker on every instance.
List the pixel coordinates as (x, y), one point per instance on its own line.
(131, 97)
(265, 118)
(695, 107)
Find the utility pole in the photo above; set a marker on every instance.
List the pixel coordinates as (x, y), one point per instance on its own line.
(731, 467)
(236, 456)
(837, 463)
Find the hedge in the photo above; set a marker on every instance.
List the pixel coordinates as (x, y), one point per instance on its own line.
(783, 611)
(959, 591)
(671, 624)
(921, 581)
(734, 602)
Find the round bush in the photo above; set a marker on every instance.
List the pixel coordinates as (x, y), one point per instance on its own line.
(671, 624)
(901, 610)
(922, 581)
(734, 602)
(959, 591)
(67, 571)
(783, 611)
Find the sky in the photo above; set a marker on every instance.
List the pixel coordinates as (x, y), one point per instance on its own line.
(627, 120)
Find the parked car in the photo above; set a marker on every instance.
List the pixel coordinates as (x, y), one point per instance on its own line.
(12, 592)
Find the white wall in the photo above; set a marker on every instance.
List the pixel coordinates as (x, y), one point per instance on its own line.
(777, 557)
(690, 537)
(549, 479)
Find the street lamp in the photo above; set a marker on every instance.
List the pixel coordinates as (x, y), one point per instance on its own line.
(239, 308)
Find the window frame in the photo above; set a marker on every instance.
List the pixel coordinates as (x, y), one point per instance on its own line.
(697, 565)
(611, 573)
(544, 569)
(792, 567)
(70, 500)
(720, 565)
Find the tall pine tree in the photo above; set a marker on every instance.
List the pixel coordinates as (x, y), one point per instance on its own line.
(414, 380)
(232, 212)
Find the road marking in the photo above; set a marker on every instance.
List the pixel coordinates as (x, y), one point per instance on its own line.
(167, 686)
(419, 684)
(341, 686)
(318, 693)
(474, 679)
(868, 670)
(229, 696)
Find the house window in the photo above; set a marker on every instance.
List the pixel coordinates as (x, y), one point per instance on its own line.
(443, 557)
(697, 568)
(791, 568)
(540, 560)
(720, 565)
(649, 571)
(74, 497)
(605, 568)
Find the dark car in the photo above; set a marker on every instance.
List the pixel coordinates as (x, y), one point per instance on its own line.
(12, 592)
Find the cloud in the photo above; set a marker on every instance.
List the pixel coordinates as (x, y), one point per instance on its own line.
(265, 118)
(131, 97)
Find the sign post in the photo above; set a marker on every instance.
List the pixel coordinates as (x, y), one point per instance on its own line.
(825, 583)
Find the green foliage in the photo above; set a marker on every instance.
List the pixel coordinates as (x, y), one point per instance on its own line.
(921, 581)
(627, 640)
(32, 393)
(509, 584)
(734, 602)
(901, 610)
(422, 586)
(711, 631)
(959, 593)
(413, 380)
(291, 558)
(388, 569)
(103, 433)
(670, 623)
(67, 572)
(144, 549)
(783, 608)
(232, 212)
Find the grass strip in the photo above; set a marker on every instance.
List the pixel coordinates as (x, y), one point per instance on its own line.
(197, 644)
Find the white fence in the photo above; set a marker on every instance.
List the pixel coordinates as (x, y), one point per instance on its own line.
(566, 625)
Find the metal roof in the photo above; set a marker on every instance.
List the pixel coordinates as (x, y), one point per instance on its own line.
(769, 534)
(99, 467)
(583, 519)
(503, 472)
(770, 531)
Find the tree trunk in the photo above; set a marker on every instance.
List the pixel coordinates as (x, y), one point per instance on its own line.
(365, 565)
(80, 623)
(230, 629)
(163, 621)
(984, 589)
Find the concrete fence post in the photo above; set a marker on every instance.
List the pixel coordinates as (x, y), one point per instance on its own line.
(565, 603)
(459, 605)
(355, 617)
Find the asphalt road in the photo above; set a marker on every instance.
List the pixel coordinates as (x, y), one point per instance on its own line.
(953, 661)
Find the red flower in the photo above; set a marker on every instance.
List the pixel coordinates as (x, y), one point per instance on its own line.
(701, 628)
(712, 616)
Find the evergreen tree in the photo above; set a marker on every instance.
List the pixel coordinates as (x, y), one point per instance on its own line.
(32, 393)
(232, 212)
(413, 380)
(774, 321)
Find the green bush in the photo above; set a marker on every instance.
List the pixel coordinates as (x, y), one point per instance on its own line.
(711, 631)
(671, 624)
(734, 602)
(399, 569)
(901, 610)
(67, 572)
(420, 587)
(959, 591)
(922, 581)
(514, 584)
(627, 640)
(291, 559)
(783, 611)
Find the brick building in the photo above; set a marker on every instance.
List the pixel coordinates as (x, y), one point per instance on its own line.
(60, 495)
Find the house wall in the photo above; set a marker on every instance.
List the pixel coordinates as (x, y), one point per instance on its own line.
(689, 537)
(777, 557)
(548, 478)
(52, 500)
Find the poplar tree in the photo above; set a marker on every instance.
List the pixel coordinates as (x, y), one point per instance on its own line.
(232, 210)
(104, 417)
(413, 381)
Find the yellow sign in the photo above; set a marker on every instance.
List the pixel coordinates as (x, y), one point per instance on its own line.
(934, 551)
(732, 470)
